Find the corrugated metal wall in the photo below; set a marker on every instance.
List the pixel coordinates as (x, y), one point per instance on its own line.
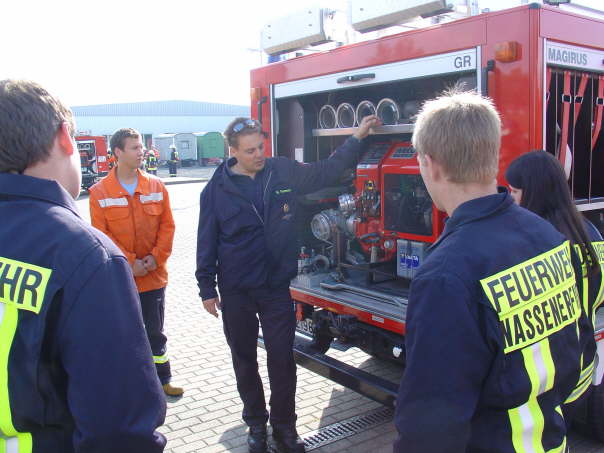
(162, 108)
(155, 125)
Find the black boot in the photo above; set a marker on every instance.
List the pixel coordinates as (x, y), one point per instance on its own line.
(256, 439)
(288, 441)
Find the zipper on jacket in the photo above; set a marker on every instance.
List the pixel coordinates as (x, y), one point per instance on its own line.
(266, 187)
(257, 213)
(263, 199)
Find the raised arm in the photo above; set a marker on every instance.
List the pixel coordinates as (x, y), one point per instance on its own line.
(323, 173)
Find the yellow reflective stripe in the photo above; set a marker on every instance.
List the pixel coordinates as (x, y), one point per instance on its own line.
(527, 421)
(9, 316)
(582, 386)
(25, 443)
(160, 358)
(579, 390)
(587, 371)
(518, 435)
(540, 367)
(15, 442)
(599, 249)
(527, 427)
(584, 279)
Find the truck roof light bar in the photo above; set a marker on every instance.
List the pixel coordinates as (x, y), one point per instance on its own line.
(555, 2)
(309, 27)
(370, 15)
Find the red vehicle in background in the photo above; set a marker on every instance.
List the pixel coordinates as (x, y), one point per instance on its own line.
(94, 158)
(362, 241)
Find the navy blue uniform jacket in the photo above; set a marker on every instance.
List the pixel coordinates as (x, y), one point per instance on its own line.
(492, 350)
(246, 250)
(80, 374)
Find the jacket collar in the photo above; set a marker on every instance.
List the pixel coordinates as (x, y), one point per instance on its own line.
(23, 186)
(225, 175)
(476, 209)
(232, 161)
(114, 187)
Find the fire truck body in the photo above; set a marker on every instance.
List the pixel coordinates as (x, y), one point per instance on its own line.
(361, 242)
(93, 158)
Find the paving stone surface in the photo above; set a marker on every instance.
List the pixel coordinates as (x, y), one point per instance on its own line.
(208, 417)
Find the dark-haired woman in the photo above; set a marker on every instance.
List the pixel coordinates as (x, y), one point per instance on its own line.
(538, 183)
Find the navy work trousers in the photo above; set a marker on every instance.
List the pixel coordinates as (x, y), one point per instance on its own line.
(274, 308)
(152, 306)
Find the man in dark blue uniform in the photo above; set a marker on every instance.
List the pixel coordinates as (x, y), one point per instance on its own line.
(492, 322)
(246, 237)
(76, 373)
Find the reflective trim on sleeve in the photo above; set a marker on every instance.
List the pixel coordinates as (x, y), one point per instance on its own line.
(14, 441)
(20, 444)
(109, 202)
(585, 382)
(159, 359)
(588, 370)
(584, 279)
(155, 196)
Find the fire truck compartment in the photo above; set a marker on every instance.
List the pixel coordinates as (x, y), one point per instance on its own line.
(303, 108)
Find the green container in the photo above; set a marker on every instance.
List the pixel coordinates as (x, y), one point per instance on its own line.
(210, 145)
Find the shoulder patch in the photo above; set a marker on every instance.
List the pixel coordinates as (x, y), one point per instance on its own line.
(23, 285)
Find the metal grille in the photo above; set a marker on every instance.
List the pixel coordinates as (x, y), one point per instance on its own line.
(341, 430)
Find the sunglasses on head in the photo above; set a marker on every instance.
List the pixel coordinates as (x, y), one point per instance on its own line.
(243, 124)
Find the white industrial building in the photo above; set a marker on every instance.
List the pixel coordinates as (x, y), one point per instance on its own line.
(156, 117)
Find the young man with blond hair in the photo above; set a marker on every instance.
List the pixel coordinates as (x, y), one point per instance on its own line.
(491, 336)
(133, 209)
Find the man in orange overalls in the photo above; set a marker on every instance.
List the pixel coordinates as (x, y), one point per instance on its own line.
(133, 209)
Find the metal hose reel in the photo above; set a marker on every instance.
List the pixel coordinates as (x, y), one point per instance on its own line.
(346, 115)
(365, 108)
(328, 117)
(388, 112)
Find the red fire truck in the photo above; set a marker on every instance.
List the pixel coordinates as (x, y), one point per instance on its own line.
(361, 242)
(93, 158)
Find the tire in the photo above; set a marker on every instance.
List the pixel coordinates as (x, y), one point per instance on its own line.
(320, 343)
(595, 412)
